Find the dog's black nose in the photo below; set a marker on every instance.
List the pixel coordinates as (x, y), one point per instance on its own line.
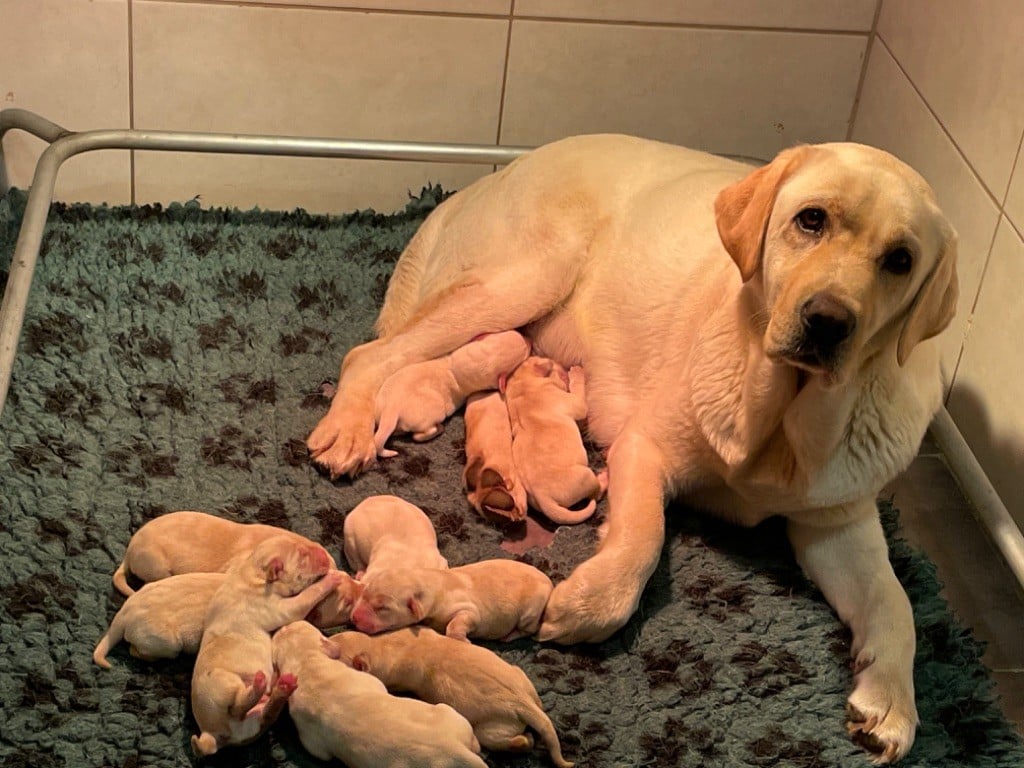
(827, 322)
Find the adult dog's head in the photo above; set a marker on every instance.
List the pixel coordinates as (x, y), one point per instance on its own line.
(853, 254)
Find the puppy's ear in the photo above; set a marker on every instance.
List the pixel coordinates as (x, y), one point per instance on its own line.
(935, 304)
(330, 649)
(415, 607)
(274, 569)
(360, 663)
(502, 383)
(742, 209)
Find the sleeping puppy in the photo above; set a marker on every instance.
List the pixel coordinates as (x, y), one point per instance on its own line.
(163, 619)
(190, 542)
(544, 403)
(389, 532)
(496, 697)
(492, 600)
(419, 398)
(757, 342)
(336, 609)
(490, 479)
(233, 697)
(347, 715)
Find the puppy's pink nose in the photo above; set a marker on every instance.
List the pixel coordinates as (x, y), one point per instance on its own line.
(362, 618)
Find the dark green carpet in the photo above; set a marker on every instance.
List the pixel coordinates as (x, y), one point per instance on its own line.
(171, 359)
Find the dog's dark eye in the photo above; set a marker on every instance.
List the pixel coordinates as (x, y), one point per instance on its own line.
(898, 261)
(811, 220)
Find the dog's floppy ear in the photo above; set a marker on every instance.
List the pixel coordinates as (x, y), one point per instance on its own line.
(935, 304)
(742, 209)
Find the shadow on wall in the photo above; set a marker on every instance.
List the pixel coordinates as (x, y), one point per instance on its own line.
(4, 186)
(999, 451)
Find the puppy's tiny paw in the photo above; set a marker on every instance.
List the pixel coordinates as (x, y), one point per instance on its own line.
(882, 715)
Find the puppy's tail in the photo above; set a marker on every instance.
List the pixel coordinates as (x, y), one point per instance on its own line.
(535, 717)
(204, 744)
(120, 579)
(388, 424)
(114, 636)
(556, 513)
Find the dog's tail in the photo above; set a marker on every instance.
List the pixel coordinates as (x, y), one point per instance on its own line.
(535, 716)
(120, 579)
(113, 636)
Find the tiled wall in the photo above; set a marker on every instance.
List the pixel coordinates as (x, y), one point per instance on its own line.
(944, 90)
(733, 76)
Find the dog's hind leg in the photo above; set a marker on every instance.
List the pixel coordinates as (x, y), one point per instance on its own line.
(502, 300)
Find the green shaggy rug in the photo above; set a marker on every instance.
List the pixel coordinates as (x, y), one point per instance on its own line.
(172, 359)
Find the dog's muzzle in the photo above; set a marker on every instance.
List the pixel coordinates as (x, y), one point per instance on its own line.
(825, 324)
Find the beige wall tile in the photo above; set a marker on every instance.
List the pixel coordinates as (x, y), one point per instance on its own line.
(690, 86)
(986, 400)
(791, 14)
(308, 73)
(892, 116)
(487, 7)
(317, 185)
(967, 59)
(68, 61)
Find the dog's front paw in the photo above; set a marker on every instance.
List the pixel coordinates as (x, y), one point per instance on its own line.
(342, 443)
(882, 714)
(595, 601)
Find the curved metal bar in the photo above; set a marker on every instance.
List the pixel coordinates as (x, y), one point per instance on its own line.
(32, 123)
(65, 144)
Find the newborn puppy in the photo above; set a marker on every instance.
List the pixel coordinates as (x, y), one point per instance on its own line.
(336, 609)
(491, 480)
(190, 542)
(162, 619)
(278, 583)
(492, 599)
(419, 397)
(389, 532)
(496, 697)
(544, 403)
(349, 715)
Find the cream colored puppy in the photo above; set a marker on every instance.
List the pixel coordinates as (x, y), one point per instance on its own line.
(388, 532)
(419, 398)
(347, 715)
(496, 697)
(492, 600)
(233, 700)
(190, 542)
(544, 403)
(163, 619)
(490, 479)
(757, 342)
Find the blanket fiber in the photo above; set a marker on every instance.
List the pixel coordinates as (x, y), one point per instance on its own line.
(172, 359)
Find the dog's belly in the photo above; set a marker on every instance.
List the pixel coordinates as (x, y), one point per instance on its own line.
(556, 336)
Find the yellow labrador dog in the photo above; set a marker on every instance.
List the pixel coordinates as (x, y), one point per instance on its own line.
(754, 342)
